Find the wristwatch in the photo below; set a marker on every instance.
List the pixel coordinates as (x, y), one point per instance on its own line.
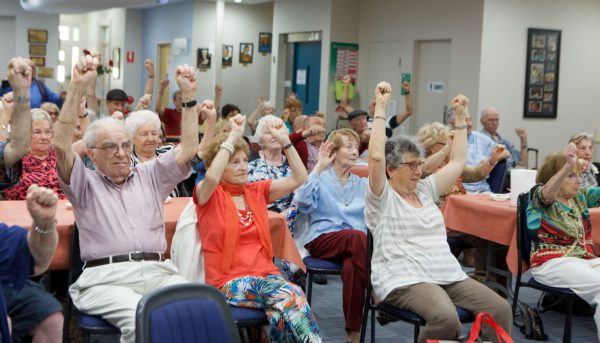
(84, 115)
(189, 104)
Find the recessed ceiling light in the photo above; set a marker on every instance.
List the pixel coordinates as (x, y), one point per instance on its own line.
(238, 1)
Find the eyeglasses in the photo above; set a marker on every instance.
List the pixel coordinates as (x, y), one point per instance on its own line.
(114, 148)
(414, 165)
(41, 133)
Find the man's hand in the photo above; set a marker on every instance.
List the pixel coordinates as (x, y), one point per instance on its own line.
(382, 93)
(218, 89)
(521, 133)
(365, 136)
(237, 126)
(19, 74)
(459, 104)
(164, 84)
(8, 104)
(42, 203)
(406, 87)
(118, 115)
(144, 102)
(149, 66)
(84, 71)
(499, 152)
(186, 80)
(207, 110)
(346, 79)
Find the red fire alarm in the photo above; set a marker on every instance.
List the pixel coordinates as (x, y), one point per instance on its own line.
(130, 56)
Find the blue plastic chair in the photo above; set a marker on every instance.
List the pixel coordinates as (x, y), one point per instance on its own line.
(391, 312)
(317, 266)
(523, 252)
(245, 317)
(185, 313)
(89, 325)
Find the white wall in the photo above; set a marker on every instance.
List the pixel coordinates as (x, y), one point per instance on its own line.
(31, 20)
(204, 35)
(132, 73)
(301, 16)
(407, 22)
(503, 58)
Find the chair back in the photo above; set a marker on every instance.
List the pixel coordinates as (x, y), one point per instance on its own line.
(497, 176)
(523, 237)
(75, 262)
(185, 313)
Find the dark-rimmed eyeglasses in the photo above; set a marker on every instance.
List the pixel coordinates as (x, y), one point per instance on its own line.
(413, 165)
(113, 148)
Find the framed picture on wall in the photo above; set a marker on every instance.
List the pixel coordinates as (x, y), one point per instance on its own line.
(37, 36)
(541, 73)
(38, 61)
(203, 59)
(227, 56)
(264, 42)
(246, 53)
(37, 49)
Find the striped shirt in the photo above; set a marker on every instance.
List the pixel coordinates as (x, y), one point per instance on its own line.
(409, 244)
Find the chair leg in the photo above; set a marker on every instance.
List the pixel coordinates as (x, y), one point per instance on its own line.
(515, 299)
(366, 309)
(416, 333)
(568, 321)
(373, 325)
(309, 276)
(67, 319)
(244, 335)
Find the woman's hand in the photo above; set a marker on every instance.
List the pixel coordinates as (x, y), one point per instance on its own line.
(459, 104)
(499, 152)
(382, 93)
(571, 154)
(279, 131)
(237, 126)
(326, 158)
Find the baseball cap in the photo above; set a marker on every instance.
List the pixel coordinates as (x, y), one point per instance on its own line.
(116, 94)
(357, 113)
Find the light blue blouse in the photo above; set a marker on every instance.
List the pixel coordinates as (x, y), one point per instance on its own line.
(331, 207)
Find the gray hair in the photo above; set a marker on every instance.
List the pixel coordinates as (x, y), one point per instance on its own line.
(261, 128)
(37, 114)
(89, 138)
(139, 118)
(396, 147)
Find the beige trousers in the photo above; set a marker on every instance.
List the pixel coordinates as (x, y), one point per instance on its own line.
(113, 291)
(437, 305)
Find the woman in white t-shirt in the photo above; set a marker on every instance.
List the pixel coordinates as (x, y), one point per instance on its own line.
(412, 266)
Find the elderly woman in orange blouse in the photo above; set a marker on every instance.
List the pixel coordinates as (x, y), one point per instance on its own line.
(234, 230)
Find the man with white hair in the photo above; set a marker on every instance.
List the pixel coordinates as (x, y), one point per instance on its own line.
(119, 209)
(490, 120)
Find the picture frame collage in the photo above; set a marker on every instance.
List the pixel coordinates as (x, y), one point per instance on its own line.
(541, 82)
(245, 52)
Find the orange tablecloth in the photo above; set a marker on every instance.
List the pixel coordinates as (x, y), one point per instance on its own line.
(15, 213)
(495, 221)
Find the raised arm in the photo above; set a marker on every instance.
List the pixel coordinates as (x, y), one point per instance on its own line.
(6, 115)
(402, 116)
(552, 187)
(206, 187)
(188, 147)
(448, 175)
(524, 161)
(149, 66)
(435, 161)
(90, 95)
(84, 72)
(252, 120)
(158, 105)
(144, 102)
(218, 97)
(287, 184)
(344, 97)
(377, 140)
(208, 111)
(19, 76)
(42, 238)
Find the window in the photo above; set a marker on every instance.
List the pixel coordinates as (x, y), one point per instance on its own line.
(63, 32)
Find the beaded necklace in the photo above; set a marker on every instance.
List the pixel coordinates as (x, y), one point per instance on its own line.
(340, 190)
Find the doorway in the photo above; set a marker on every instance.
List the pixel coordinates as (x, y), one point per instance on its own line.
(306, 74)
(164, 66)
(431, 82)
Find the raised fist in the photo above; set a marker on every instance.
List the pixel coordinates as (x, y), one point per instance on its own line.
(19, 74)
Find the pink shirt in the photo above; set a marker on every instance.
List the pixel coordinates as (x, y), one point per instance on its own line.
(115, 220)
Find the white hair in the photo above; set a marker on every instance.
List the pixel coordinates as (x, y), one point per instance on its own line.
(261, 128)
(89, 138)
(37, 114)
(139, 118)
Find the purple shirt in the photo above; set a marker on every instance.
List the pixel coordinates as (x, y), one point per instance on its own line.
(116, 220)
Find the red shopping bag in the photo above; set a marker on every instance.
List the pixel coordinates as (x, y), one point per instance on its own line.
(486, 318)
